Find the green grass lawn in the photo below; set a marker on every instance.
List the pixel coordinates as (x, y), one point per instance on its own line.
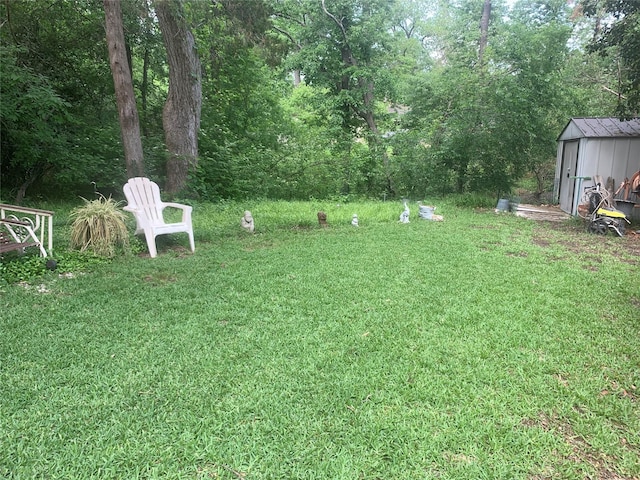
(482, 347)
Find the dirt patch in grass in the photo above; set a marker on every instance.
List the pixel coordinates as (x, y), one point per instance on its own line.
(159, 279)
(582, 452)
(629, 392)
(578, 241)
(179, 251)
(541, 242)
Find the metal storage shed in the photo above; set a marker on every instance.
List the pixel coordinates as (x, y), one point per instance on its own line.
(594, 146)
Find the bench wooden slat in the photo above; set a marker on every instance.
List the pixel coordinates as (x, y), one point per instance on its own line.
(18, 223)
(8, 244)
(8, 247)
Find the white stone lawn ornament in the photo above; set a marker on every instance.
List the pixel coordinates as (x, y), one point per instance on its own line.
(246, 222)
(404, 216)
(354, 220)
(144, 200)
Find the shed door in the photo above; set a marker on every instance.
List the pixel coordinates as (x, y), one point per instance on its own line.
(568, 170)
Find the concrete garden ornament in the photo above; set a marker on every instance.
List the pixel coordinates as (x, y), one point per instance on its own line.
(322, 218)
(404, 216)
(246, 222)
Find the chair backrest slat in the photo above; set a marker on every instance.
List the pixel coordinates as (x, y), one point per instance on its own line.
(144, 194)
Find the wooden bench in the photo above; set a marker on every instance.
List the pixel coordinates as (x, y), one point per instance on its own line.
(18, 233)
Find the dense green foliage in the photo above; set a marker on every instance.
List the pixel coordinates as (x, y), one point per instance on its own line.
(620, 39)
(392, 98)
(484, 346)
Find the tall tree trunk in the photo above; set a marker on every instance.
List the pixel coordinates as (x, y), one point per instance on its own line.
(181, 113)
(374, 142)
(366, 86)
(144, 91)
(36, 172)
(123, 85)
(484, 30)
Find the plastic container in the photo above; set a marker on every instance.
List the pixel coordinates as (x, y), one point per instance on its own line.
(503, 205)
(426, 212)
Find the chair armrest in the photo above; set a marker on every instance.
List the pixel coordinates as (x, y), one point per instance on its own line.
(21, 236)
(186, 210)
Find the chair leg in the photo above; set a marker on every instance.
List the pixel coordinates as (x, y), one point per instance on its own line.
(191, 242)
(151, 244)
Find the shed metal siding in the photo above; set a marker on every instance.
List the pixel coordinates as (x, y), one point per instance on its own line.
(606, 147)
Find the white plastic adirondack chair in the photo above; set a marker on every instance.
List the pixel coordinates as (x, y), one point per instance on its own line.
(144, 200)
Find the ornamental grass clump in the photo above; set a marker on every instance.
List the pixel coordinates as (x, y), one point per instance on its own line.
(99, 226)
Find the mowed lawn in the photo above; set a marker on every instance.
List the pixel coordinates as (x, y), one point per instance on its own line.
(482, 347)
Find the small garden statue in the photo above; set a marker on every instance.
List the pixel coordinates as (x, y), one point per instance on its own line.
(354, 220)
(246, 222)
(404, 216)
(322, 218)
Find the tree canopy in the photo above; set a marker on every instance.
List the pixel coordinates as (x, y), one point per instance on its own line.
(309, 98)
(620, 40)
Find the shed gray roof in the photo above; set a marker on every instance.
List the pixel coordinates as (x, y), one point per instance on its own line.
(607, 127)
